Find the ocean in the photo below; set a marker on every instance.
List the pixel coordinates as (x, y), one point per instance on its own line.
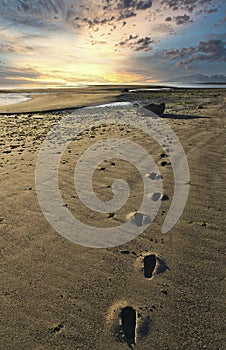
(10, 98)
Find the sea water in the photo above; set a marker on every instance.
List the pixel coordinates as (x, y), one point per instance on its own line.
(9, 98)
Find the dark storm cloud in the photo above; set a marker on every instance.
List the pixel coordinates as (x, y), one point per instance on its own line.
(136, 44)
(209, 51)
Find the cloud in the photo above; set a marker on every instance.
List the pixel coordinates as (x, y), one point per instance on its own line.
(136, 44)
(126, 14)
(19, 75)
(188, 5)
(164, 28)
(53, 14)
(208, 51)
(182, 19)
(174, 54)
(37, 8)
(134, 4)
(143, 5)
(36, 14)
(129, 8)
(98, 42)
(214, 50)
(13, 48)
(220, 22)
(213, 10)
(143, 44)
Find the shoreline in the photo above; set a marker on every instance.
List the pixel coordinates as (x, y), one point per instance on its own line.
(52, 100)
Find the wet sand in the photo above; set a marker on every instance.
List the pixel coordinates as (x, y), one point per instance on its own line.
(164, 290)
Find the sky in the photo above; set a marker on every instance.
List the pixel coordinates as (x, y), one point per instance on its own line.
(57, 43)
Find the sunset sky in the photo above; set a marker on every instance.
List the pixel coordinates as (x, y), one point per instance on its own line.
(71, 42)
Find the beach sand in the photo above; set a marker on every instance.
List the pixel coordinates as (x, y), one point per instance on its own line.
(56, 294)
(56, 99)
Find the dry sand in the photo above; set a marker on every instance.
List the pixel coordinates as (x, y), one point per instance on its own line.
(59, 295)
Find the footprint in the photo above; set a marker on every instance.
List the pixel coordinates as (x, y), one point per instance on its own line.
(164, 163)
(154, 176)
(128, 321)
(150, 262)
(123, 319)
(133, 324)
(156, 196)
(139, 219)
(128, 324)
(163, 155)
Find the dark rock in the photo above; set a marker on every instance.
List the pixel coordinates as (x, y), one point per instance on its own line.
(156, 108)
